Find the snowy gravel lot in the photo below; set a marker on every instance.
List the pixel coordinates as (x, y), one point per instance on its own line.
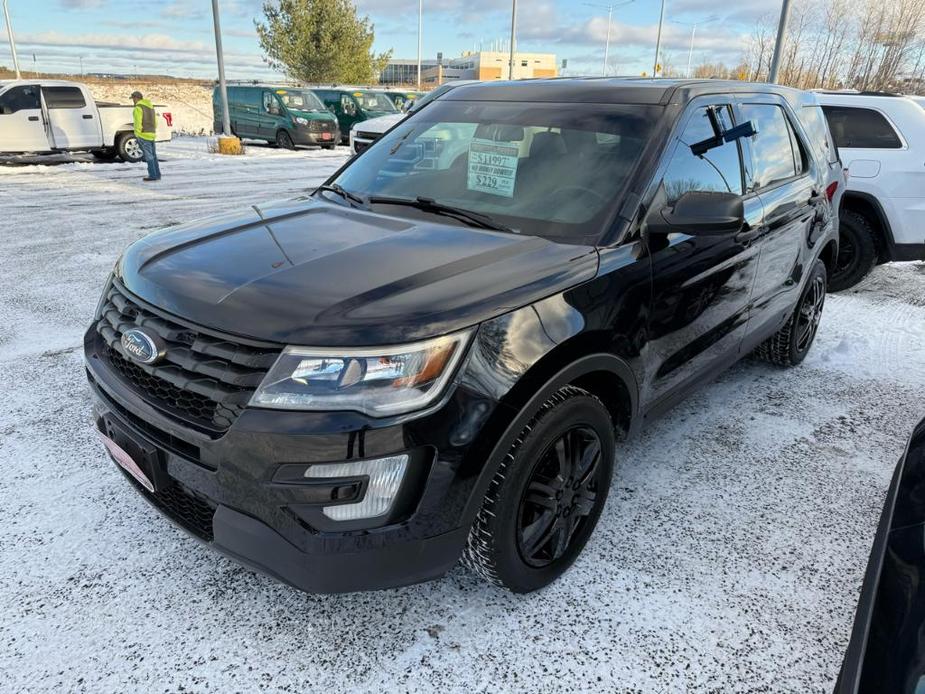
(729, 557)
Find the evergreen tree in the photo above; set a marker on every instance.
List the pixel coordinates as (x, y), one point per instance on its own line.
(319, 41)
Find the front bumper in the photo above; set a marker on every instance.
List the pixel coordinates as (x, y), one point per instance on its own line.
(221, 489)
(303, 136)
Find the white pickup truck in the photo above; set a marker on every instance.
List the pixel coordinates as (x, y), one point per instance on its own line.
(46, 117)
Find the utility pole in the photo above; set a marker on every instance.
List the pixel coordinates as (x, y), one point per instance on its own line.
(693, 26)
(510, 71)
(222, 87)
(658, 40)
(609, 9)
(779, 45)
(9, 33)
(81, 59)
(420, 37)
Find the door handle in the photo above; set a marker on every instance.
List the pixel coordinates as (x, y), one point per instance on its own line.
(33, 118)
(88, 116)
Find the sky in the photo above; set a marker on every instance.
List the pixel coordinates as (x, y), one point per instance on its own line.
(175, 36)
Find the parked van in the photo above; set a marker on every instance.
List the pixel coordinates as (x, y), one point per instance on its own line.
(287, 116)
(403, 100)
(355, 105)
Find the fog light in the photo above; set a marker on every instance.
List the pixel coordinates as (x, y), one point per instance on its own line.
(385, 476)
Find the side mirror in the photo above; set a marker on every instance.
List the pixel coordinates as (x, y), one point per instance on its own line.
(700, 214)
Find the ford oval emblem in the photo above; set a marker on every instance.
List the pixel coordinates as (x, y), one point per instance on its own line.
(143, 346)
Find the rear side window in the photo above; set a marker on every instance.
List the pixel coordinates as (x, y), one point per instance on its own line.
(862, 128)
(19, 99)
(820, 139)
(777, 156)
(718, 170)
(63, 97)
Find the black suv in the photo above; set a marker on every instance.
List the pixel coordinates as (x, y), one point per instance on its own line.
(436, 354)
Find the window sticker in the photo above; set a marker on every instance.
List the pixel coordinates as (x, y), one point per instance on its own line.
(492, 167)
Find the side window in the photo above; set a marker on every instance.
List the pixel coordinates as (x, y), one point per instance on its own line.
(63, 97)
(718, 170)
(773, 146)
(270, 104)
(19, 99)
(863, 128)
(348, 105)
(817, 128)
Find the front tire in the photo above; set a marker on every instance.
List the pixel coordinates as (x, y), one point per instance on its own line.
(790, 345)
(128, 149)
(545, 499)
(857, 251)
(284, 140)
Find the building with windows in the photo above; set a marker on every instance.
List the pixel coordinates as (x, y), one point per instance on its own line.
(481, 65)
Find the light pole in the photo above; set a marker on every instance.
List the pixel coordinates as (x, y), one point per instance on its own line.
(9, 33)
(420, 37)
(222, 87)
(693, 26)
(609, 9)
(510, 70)
(658, 40)
(779, 45)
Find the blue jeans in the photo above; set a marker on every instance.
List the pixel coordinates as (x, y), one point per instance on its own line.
(150, 156)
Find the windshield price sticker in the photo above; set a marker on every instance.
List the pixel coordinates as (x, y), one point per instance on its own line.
(492, 167)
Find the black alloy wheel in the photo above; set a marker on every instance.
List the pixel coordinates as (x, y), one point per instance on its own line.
(810, 313)
(559, 496)
(857, 251)
(790, 345)
(546, 494)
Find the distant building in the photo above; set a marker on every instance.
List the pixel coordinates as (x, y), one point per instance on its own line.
(482, 65)
(404, 71)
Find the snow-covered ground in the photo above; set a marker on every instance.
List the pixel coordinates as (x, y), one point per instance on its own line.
(729, 557)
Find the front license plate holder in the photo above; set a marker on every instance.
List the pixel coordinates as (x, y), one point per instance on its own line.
(141, 460)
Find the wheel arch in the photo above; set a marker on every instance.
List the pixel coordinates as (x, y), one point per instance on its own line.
(577, 361)
(869, 206)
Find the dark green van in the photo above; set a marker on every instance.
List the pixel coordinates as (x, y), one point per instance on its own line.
(288, 116)
(403, 100)
(352, 105)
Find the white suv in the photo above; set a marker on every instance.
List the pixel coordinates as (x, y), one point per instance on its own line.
(881, 140)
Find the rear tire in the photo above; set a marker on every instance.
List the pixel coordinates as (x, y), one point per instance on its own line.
(284, 140)
(545, 499)
(128, 149)
(857, 251)
(790, 345)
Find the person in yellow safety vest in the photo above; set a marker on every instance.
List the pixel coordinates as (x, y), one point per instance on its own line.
(145, 121)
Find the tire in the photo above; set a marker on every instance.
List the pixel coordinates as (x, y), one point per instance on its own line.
(857, 251)
(790, 345)
(284, 140)
(108, 154)
(128, 149)
(506, 541)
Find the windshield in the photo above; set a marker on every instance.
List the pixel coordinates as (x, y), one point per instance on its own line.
(301, 101)
(375, 101)
(542, 169)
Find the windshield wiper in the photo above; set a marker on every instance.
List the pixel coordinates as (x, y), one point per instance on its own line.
(483, 221)
(337, 189)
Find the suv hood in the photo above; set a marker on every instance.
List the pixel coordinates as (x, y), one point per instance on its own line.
(312, 272)
(313, 115)
(380, 124)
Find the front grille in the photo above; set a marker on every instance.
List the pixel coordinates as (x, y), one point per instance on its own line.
(183, 506)
(205, 380)
(162, 438)
(320, 125)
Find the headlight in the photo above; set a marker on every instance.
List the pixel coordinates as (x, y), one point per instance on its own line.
(300, 120)
(376, 381)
